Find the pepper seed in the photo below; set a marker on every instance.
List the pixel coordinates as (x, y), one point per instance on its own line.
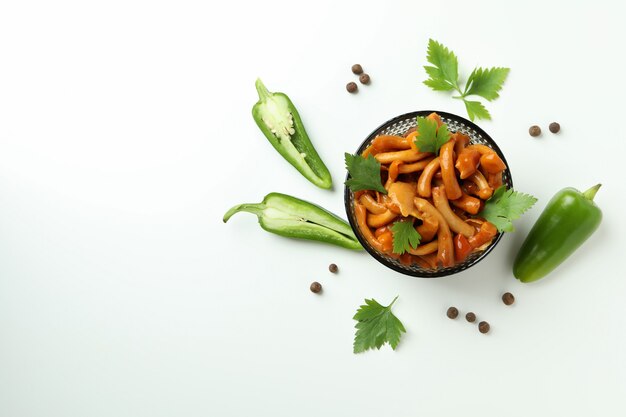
(452, 313)
(483, 327)
(508, 298)
(471, 317)
(352, 87)
(333, 268)
(364, 78)
(534, 131)
(357, 69)
(316, 287)
(554, 127)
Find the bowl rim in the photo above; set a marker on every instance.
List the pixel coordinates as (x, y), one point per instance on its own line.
(385, 260)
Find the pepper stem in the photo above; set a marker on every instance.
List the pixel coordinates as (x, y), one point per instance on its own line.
(264, 93)
(250, 208)
(591, 193)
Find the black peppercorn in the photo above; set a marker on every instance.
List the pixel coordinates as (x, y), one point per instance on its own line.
(333, 268)
(483, 327)
(508, 298)
(316, 287)
(357, 69)
(554, 127)
(534, 131)
(364, 78)
(452, 312)
(471, 317)
(352, 87)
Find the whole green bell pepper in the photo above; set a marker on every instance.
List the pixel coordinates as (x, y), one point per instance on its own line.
(280, 122)
(565, 224)
(289, 216)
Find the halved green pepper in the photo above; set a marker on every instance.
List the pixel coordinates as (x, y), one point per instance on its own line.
(280, 122)
(289, 216)
(566, 223)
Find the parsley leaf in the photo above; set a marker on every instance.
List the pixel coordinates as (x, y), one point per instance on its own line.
(482, 82)
(504, 206)
(444, 75)
(405, 237)
(376, 325)
(475, 109)
(486, 82)
(429, 137)
(365, 173)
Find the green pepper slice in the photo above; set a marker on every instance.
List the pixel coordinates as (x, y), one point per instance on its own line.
(566, 223)
(281, 124)
(289, 216)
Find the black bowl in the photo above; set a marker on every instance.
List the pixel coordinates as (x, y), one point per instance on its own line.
(398, 126)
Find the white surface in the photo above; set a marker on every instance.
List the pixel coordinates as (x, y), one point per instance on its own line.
(125, 134)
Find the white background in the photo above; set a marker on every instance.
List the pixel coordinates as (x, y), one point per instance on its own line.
(125, 134)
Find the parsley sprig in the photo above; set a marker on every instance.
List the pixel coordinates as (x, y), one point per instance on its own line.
(405, 236)
(429, 137)
(482, 82)
(376, 325)
(505, 206)
(364, 173)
